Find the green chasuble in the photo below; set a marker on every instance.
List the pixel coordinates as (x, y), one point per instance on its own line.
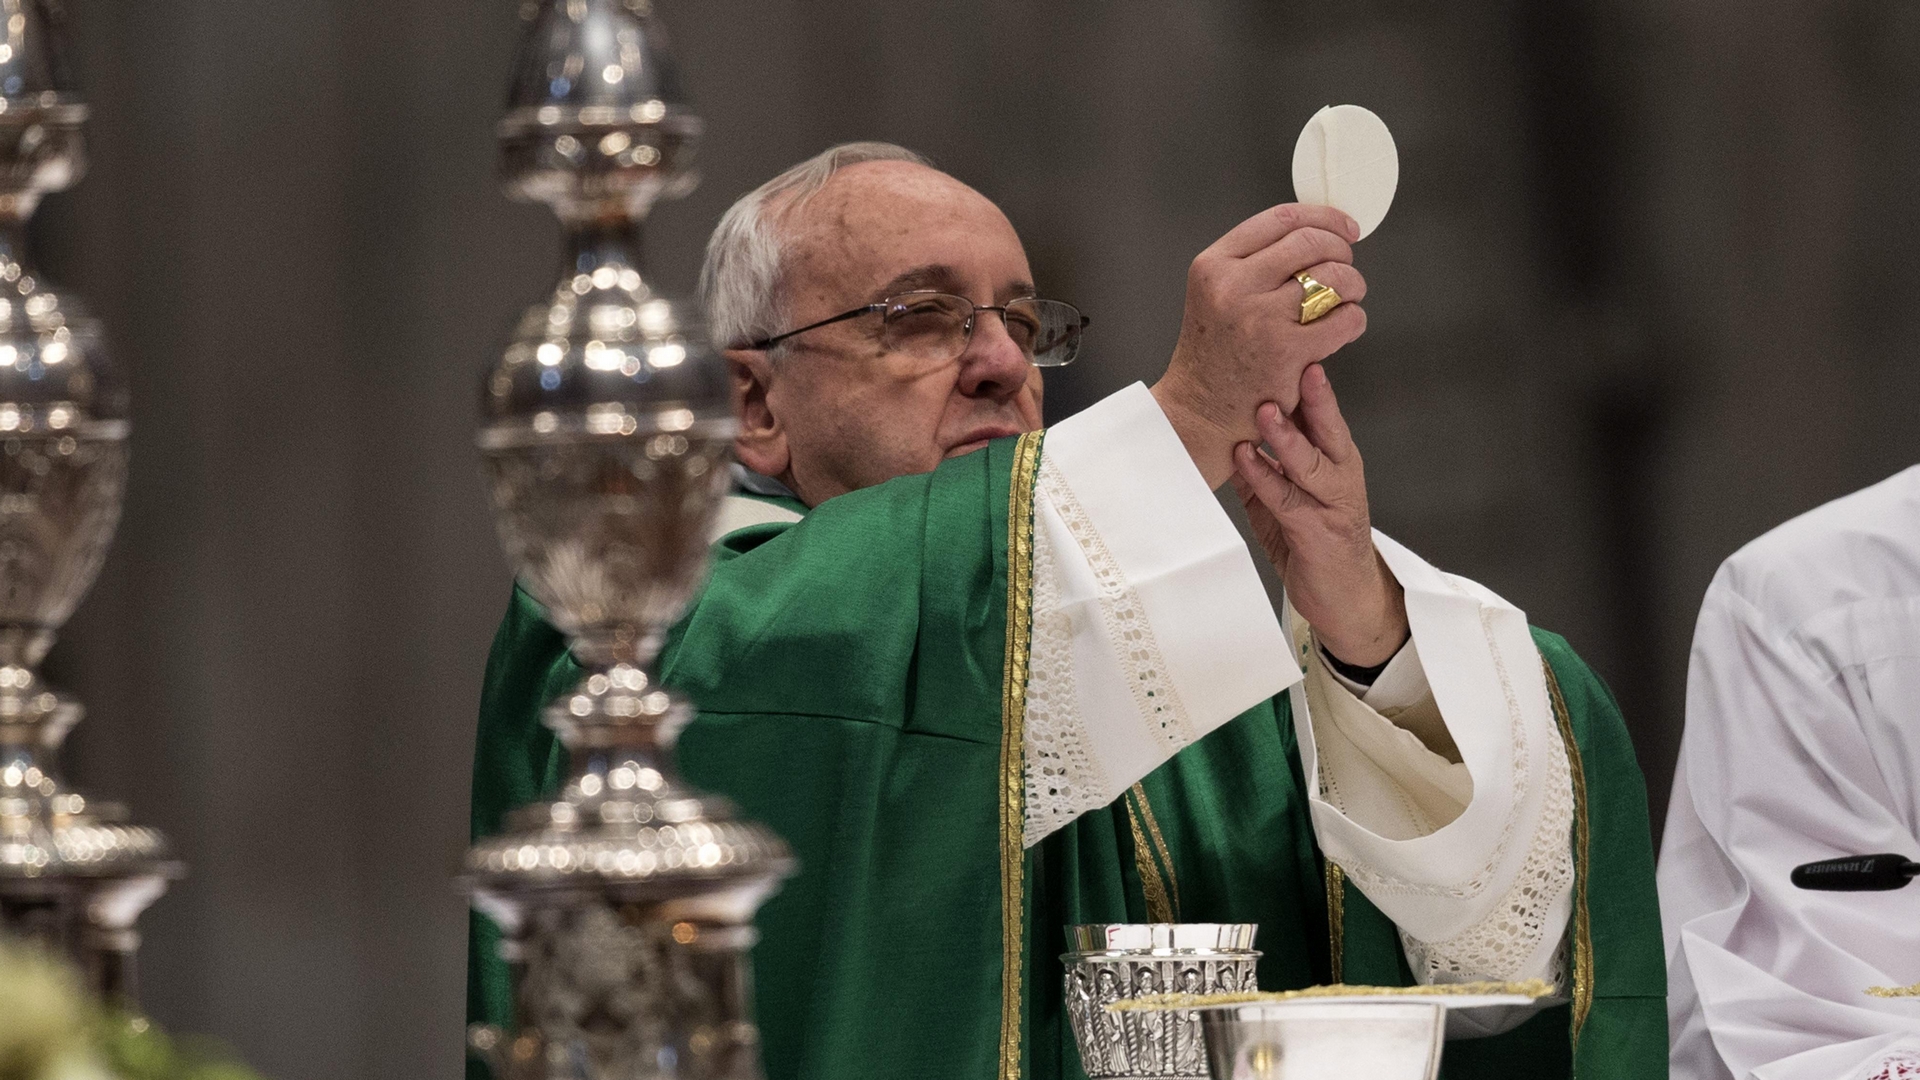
(860, 677)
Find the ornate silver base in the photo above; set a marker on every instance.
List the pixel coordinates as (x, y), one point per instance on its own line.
(89, 920)
(626, 906)
(618, 992)
(74, 874)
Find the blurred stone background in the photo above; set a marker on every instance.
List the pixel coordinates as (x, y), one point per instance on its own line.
(1647, 290)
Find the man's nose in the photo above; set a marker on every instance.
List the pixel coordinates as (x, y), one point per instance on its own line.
(993, 365)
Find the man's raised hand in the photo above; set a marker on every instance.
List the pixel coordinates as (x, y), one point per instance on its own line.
(1241, 340)
(1307, 503)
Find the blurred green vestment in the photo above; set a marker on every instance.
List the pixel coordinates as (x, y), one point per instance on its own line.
(860, 679)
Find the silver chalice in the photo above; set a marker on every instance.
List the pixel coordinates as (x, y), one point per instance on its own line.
(1112, 962)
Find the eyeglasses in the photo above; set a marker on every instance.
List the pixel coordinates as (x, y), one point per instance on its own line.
(935, 327)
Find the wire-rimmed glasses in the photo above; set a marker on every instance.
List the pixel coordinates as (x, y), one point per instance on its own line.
(935, 327)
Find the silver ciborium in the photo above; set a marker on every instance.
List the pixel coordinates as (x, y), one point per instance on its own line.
(626, 905)
(73, 873)
(1113, 962)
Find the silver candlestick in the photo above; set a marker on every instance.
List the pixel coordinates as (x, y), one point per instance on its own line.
(626, 905)
(73, 873)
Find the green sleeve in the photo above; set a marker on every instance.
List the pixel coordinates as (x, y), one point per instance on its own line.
(516, 760)
(1625, 1034)
(848, 673)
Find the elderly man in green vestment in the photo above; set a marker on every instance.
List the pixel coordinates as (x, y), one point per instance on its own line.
(991, 680)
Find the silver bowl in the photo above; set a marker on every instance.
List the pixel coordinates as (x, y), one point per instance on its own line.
(1324, 1040)
(1112, 962)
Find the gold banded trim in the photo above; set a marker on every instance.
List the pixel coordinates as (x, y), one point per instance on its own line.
(1013, 714)
(1161, 907)
(1532, 988)
(1582, 922)
(1337, 919)
(1160, 848)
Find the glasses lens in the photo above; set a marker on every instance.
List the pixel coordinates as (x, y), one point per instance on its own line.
(1049, 330)
(927, 326)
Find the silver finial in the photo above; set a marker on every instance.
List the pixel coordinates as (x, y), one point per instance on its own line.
(71, 872)
(627, 903)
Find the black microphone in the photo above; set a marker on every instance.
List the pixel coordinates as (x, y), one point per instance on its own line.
(1857, 873)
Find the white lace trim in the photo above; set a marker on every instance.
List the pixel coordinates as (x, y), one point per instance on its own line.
(1063, 776)
(1161, 711)
(1500, 946)
(1063, 779)
(1378, 883)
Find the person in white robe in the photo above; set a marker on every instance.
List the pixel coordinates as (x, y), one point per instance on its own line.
(1802, 743)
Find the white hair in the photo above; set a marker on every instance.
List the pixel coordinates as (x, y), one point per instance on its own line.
(740, 282)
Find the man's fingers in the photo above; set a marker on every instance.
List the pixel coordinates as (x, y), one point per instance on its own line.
(1244, 490)
(1310, 470)
(1274, 266)
(1266, 527)
(1320, 417)
(1256, 474)
(1269, 225)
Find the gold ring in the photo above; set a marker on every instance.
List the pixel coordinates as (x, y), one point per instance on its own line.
(1319, 299)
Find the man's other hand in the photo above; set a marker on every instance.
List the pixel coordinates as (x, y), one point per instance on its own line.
(1241, 340)
(1307, 502)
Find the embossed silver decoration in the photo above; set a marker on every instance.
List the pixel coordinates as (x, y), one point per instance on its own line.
(73, 873)
(1114, 961)
(1325, 1040)
(626, 904)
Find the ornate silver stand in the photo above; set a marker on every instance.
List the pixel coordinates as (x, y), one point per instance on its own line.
(627, 904)
(72, 873)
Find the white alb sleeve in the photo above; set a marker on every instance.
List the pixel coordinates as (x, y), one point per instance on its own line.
(1150, 626)
(1452, 815)
(1150, 629)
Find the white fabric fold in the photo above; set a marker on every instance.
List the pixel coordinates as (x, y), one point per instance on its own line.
(739, 512)
(1400, 685)
(1382, 775)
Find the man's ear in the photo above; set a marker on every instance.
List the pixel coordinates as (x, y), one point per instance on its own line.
(761, 444)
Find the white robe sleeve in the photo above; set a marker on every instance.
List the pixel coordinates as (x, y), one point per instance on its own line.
(1452, 815)
(1768, 982)
(1150, 629)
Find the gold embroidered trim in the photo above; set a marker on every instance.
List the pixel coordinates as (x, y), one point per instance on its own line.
(1582, 923)
(1337, 918)
(1160, 846)
(1894, 991)
(1159, 908)
(1013, 709)
(1532, 988)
